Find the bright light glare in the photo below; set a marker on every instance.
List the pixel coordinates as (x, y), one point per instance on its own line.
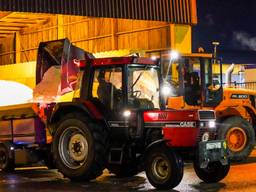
(212, 124)
(13, 93)
(127, 113)
(174, 55)
(152, 70)
(153, 58)
(166, 90)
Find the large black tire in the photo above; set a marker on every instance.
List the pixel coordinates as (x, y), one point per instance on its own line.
(79, 147)
(164, 168)
(214, 172)
(239, 135)
(6, 158)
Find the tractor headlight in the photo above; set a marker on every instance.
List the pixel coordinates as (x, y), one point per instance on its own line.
(212, 124)
(127, 113)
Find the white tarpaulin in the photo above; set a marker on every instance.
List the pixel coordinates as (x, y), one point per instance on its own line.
(13, 93)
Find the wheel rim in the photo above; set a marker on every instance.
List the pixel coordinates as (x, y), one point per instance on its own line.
(73, 147)
(236, 139)
(3, 159)
(161, 168)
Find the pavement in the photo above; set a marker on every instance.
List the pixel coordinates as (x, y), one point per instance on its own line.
(242, 177)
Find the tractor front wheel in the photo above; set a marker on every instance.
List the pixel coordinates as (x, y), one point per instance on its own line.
(164, 168)
(213, 173)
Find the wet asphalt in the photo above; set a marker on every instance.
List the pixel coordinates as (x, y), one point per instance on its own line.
(242, 177)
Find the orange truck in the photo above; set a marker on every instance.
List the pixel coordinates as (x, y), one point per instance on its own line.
(195, 87)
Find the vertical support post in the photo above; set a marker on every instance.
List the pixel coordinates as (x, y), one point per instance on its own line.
(114, 38)
(172, 36)
(12, 131)
(17, 48)
(60, 21)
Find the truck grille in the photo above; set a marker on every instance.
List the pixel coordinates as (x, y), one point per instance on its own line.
(206, 115)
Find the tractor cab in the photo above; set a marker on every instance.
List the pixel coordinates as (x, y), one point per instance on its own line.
(192, 81)
(115, 85)
(124, 85)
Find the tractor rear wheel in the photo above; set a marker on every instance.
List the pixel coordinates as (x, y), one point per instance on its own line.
(164, 168)
(239, 135)
(6, 158)
(79, 147)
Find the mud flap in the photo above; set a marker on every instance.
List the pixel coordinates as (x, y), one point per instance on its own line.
(212, 151)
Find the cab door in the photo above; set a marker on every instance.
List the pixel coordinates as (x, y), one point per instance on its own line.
(107, 92)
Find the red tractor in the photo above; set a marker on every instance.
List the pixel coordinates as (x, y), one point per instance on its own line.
(115, 118)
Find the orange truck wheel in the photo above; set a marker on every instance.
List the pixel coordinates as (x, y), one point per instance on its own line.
(239, 135)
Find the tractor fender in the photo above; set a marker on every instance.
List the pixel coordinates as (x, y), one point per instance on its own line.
(235, 111)
(252, 113)
(62, 109)
(227, 112)
(155, 144)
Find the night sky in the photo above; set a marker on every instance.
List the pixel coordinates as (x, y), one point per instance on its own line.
(232, 23)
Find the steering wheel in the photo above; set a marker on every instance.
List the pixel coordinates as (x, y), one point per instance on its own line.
(136, 93)
(174, 83)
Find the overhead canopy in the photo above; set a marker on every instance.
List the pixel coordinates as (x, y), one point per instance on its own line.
(175, 11)
(11, 22)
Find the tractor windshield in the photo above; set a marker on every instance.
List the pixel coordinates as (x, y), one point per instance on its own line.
(143, 87)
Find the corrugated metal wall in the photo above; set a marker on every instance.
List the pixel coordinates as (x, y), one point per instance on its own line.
(175, 11)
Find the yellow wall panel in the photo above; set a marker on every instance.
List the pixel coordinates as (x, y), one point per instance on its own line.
(183, 38)
(23, 73)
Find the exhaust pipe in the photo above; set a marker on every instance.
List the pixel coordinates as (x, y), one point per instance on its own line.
(228, 74)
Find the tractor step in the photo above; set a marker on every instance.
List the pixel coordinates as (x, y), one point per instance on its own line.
(116, 156)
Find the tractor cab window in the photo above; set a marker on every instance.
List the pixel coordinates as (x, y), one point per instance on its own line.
(211, 80)
(197, 81)
(143, 87)
(107, 87)
(185, 80)
(208, 74)
(192, 84)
